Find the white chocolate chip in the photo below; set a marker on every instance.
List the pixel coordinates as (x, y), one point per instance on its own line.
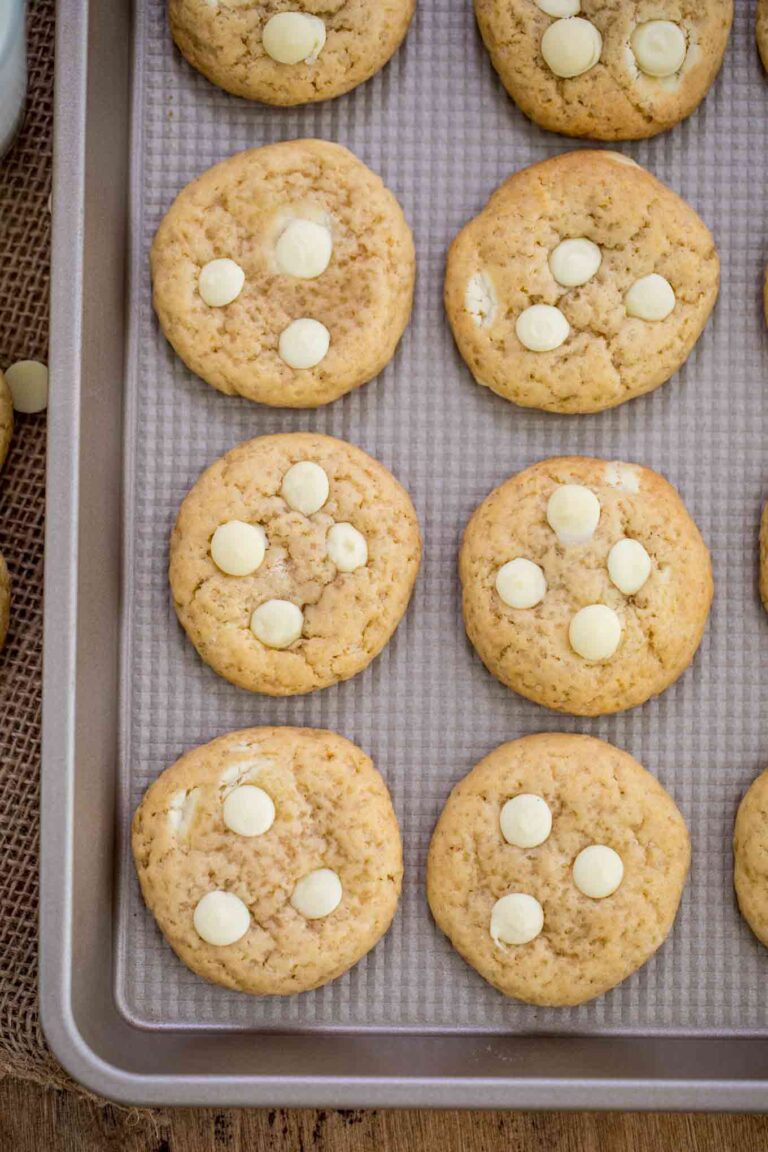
(595, 632)
(650, 298)
(622, 476)
(28, 382)
(542, 328)
(277, 623)
(221, 918)
(659, 47)
(526, 820)
(559, 8)
(305, 487)
(571, 47)
(574, 262)
(220, 282)
(293, 37)
(598, 871)
(629, 566)
(520, 583)
(516, 919)
(248, 811)
(480, 299)
(347, 548)
(317, 894)
(182, 810)
(620, 158)
(238, 548)
(573, 513)
(304, 249)
(304, 343)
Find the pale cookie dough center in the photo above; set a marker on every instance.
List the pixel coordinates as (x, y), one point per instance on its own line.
(277, 623)
(526, 820)
(221, 918)
(304, 249)
(480, 299)
(650, 298)
(317, 894)
(294, 37)
(521, 584)
(516, 919)
(220, 282)
(571, 47)
(304, 343)
(574, 262)
(629, 566)
(346, 547)
(559, 8)
(542, 328)
(573, 513)
(248, 811)
(238, 548)
(595, 632)
(305, 487)
(598, 871)
(659, 47)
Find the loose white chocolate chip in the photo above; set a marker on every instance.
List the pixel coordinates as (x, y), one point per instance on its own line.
(238, 548)
(574, 262)
(305, 487)
(220, 282)
(650, 298)
(629, 566)
(559, 8)
(595, 632)
(516, 919)
(598, 871)
(347, 548)
(277, 623)
(480, 300)
(304, 343)
(659, 47)
(520, 583)
(526, 820)
(248, 811)
(317, 894)
(571, 47)
(542, 328)
(293, 37)
(304, 249)
(28, 382)
(221, 918)
(573, 513)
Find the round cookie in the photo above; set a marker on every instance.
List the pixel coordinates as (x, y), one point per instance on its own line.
(622, 71)
(281, 904)
(286, 52)
(6, 418)
(5, 600)
(520, 913)
(315, 568)
(299, 231)
(761, 30)
(750, 857)
(583, 283)
(613, 605)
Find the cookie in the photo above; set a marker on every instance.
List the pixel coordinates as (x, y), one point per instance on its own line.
(556, 868)
(583, 283)
(5, 600)
(281, 52)
(270, 858)
(619, 71)
(764, 557)
(586, 584)
(292, 562)
(285, 274)
(750, 857)
(761, 30)
(6, 418)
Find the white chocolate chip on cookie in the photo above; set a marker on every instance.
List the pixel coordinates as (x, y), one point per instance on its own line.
(317, 894)
(542, 328)
(480, 299)
(595, 632)
(526, 821)
(277, 623)
(573, 513)
(598, 871)
(220, 282)
(221, 918)
(629, 566)
(571, 47)
(574, 262)
(238, 548)
(304, 343)
(28, 382)
(293, 37)
(346, 547)
(520, 583)
(516, 919)
(182, 810)
(248, 811)
(659, 47)
(305, 487)
(559, 8)
(650, 298)
(304, 249)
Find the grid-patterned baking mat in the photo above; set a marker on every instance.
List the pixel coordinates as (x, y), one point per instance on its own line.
(438, 127)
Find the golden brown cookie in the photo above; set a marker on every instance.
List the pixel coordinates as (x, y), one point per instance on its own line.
(764, 557)
(584, 282)
(618, 71)
(761, 30)
(322, 49)
(292, 562)
(6, 418)
(285, 274)
(5, 600)
(750, 857)
(270, 858)
(586, 584)
(556, 867)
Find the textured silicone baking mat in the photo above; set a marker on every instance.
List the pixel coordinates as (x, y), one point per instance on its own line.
(438, 127)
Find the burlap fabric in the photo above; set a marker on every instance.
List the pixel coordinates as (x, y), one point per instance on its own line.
(25, 183)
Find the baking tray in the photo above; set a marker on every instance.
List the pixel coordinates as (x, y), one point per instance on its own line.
(131, 428)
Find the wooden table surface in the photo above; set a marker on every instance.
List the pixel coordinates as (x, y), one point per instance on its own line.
(33, 1119)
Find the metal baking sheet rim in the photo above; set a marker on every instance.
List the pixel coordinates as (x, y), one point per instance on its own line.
(720, 1073)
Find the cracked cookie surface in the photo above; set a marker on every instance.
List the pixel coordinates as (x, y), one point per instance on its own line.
(596, 794)
(750, 857)
(223, 40)
(332, 810)
(499, 266)
(348, 617)
(614, 99)
(661, 625)
(238, 211)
